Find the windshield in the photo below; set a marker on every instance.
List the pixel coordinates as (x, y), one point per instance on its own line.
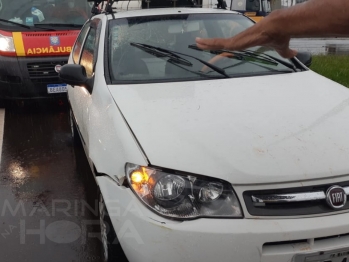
(31, 12)
(131, 61)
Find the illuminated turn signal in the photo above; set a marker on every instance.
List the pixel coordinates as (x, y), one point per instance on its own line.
(139, 177)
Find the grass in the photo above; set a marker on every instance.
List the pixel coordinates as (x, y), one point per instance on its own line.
(335, 67)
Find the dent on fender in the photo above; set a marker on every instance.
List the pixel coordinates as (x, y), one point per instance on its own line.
(119, 181)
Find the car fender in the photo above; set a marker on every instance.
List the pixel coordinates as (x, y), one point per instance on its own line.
(111, 141)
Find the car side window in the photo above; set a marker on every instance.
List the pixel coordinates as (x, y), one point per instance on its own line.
(89, 52)
(78, 43)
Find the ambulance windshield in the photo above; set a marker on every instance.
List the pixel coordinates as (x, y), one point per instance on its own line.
(54, 12)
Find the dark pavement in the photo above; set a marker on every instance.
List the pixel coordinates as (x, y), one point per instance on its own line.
(48, 197)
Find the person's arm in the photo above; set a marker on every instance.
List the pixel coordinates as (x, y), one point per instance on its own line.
(315, 18)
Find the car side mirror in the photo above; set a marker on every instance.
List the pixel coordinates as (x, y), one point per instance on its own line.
(75, 75)
(305, 57)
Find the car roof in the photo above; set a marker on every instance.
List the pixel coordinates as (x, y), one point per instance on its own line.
(168, 11)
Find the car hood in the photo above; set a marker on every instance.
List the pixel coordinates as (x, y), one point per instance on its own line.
(264, 129)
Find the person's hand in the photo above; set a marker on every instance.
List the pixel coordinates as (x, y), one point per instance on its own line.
(263, 33)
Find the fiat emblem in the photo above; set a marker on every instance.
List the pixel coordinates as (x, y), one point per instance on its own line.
(58, 68)
(336, 197)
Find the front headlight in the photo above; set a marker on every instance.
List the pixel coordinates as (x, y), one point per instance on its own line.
(182, 196)
(6, 44)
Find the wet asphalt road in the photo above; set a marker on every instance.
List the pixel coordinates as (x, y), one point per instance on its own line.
(48, 197)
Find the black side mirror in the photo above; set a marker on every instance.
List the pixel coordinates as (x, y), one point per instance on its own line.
(75, 75)
(305, 57)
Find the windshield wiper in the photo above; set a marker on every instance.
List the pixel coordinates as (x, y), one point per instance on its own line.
(26, 26)
(160, 52)
(248, 55)
(15, 23)
(45, 28)
(258, 54)
(58, 25)
(174, 56)
(237, 55)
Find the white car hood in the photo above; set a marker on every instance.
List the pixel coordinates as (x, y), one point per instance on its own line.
(264, 129)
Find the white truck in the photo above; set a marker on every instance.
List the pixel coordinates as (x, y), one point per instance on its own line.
(255, 9)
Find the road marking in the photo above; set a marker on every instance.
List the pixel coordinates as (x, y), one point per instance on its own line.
(2, 123)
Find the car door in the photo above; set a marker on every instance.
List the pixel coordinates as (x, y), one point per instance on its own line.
(74, 92)
(88, 60)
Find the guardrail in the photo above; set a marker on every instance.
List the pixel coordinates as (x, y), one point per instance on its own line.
(325, 46)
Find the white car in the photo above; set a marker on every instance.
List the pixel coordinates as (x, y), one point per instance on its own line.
(208, 155)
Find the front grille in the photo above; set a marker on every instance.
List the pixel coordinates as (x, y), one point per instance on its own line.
(44, 72)
(278, 203)
(304, 241)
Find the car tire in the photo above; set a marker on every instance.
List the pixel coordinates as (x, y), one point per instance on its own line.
(74, 130)
(111, 248)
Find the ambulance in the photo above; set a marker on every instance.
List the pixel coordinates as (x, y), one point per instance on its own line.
(36, 38)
